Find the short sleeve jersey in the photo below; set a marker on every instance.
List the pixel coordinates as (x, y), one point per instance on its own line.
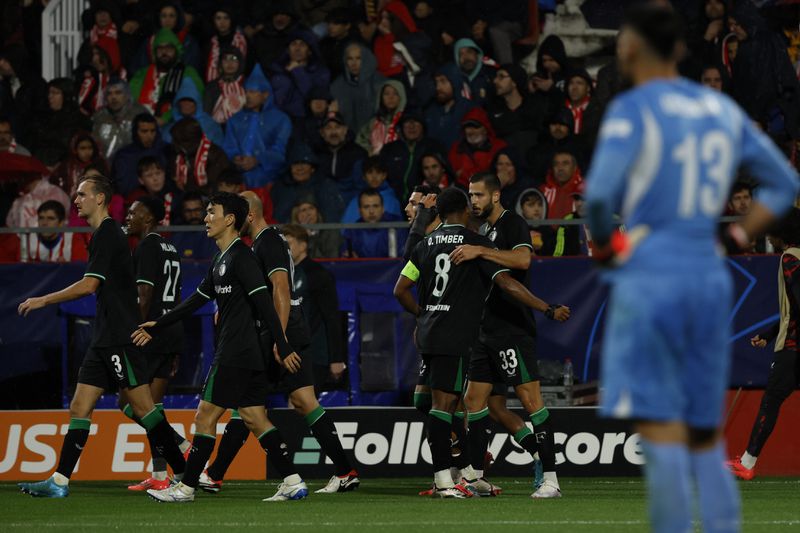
(158, 264)
(110, 261)
(234, 278)
(503, 315)
(451, 297)
(273, 255)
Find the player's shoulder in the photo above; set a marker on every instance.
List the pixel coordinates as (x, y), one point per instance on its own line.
(511, 219)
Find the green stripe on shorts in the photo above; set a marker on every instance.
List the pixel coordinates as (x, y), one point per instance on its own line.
(131, 374)
(459, 384)
(210, 385)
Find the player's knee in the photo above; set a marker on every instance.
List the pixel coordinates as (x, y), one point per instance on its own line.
(79, 408)
(304, 400)
(474, 402)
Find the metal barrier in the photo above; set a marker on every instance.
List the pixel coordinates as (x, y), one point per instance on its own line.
(62, 36)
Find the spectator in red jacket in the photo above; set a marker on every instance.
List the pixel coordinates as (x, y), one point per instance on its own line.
(477, 147)
(563, 179)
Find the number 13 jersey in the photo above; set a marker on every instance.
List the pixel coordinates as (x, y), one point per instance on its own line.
(451, 297)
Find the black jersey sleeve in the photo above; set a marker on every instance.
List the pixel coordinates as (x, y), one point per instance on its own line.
(206, 287)
(248, 273)
(101, 252)
(148, 267)
(488, 268)
(275, 255)
(517, 233)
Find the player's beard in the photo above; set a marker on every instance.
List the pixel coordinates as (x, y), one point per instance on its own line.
(484, 213)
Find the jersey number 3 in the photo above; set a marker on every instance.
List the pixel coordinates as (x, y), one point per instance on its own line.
(442, 267)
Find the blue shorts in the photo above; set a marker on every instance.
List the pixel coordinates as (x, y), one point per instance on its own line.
(666, 352)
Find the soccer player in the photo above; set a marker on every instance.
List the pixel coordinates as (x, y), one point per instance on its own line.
(111, 360)
(451, 298)
(506, 347)
(784, 373)
(158, 283)
(238, 377)
(273, 254)
(666, 156)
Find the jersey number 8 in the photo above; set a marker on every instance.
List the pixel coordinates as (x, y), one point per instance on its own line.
(442, 268)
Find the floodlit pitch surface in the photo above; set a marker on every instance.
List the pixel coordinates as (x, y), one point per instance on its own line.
(383, 505)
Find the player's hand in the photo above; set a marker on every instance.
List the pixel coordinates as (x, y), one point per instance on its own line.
(337, 369)
(30, 304)
(735, 238)
(559, 313)
(465, 252)
(758, 342)
(140, 337)
(428, 201)
(292, 363)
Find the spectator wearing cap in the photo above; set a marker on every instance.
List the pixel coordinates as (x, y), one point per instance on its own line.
(375, 242)
(153, 182)
(270, 37)
(476, 75)
(226, 35)
(321, 242)
(22, 90)
(509, 167)
(306, 129)
(516, 116)
(296, 72)
(56, 247)
(563, 179)
(444, 115)
(357, 89)
(579, 94)
(7, 141)
(477, 147)
(532, 206)
(374, 177)
(53, 129)
(188, 103)
(341, 32)
(112, 122)
(303, 181)
(435, 170)
(574, 239)
(256, 137)
(225, 94)
(339, 157)
(145, 142)
(384, 126)
(402, 157)
(558, 136)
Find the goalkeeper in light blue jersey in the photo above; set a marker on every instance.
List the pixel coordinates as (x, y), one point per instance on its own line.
(666, 158)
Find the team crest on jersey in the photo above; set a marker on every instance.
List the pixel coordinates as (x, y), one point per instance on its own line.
(492, 235)
(222, 269)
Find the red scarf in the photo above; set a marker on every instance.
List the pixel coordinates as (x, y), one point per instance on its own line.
(199, 168)
(238, 41)
(167, 209)
(13, 146)
(577, 113)
(382, 134)
(151, 88)
(231, 99)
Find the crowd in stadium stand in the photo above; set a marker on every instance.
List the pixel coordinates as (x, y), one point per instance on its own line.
(334, 110)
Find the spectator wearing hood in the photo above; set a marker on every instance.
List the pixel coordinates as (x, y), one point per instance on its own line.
(476, 148)
(303, 182)
(341, 32)
(443, 116)
(225, 95)
(156, 85)
(402, 157)
(548, 84)
(226, 35)
(705, 39)
(384, 126)
(373, 242)
(83, 153)
(112, 123)
(53, 129)
(103, 36)
(197, 162)
(558, 136)
(358, 88)
(477, 76)
(256, 137)
(532, 206)
(339, 157)
(22, 90)
(374, 177)
(563, 179)
(271, 37)
(517, 118)
(764, 81)
(306, 130)
(146, 142)
(579, 96)
(296, 72)
(509, 167)
(171, 16)
(189, 104)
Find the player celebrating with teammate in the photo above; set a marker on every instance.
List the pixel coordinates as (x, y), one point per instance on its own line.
(506, 347)
(451, 299)
(238, 377)
(666, 156)
(111, 360)
(272, 252)
(158, 283)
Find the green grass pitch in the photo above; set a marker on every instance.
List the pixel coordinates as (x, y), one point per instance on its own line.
(382, 505)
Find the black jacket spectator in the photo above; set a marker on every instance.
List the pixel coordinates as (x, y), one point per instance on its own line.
(521, 125)
(54, 128)
(279, 20)
(23, 93)
(341, 32)
(558, 136)
(123, 166)
(547, 83)
(443, 116)
(339, 157)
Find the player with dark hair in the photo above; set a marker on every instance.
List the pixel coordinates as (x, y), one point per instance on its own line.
(275, 258)
(506, 348)
(111, 360)
(158, 283)
(784, 373)
(667, 153)
(238, 377)
(451, 298)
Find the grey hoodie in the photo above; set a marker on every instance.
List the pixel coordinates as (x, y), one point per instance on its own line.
(356, 97)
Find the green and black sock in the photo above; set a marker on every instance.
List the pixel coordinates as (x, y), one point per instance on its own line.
(545, 439)
(233, 439)
(324, 431)
(202, 447)
(277, 452)
(159, 433)
(459, 446)
(439, 425)
(479, 431)
(74, 441)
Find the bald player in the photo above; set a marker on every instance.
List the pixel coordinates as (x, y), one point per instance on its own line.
(273, 254)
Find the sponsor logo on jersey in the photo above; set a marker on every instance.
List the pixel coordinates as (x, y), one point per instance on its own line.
(220, 289)
(438, 307)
